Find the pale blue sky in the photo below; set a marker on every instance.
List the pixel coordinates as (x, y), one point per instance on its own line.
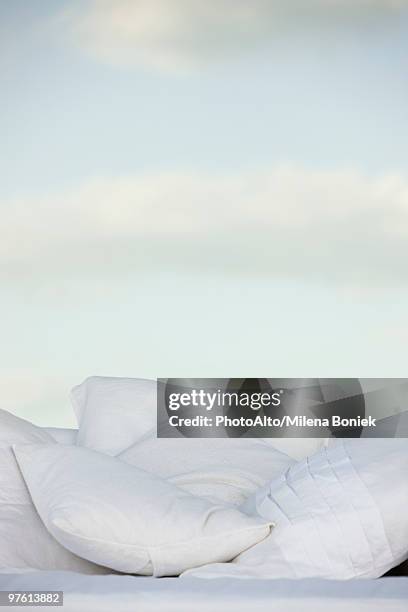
(197, 190)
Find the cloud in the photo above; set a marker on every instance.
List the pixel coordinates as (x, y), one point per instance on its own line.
(178, 35)
(283, 222)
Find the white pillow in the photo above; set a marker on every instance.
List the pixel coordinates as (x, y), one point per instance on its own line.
(114, 413)
(116, 515)
(24, 541)
(340, 514)
(226, 470)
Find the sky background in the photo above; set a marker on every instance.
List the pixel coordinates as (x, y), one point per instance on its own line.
(200, 189)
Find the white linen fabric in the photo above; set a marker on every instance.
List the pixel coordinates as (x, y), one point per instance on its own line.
(339, 514)
(114, 514)
(24, 541)
(120, 593)
(62, 435)
(224, 470)
(114, 413)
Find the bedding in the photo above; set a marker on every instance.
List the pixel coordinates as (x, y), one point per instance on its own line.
(135, 593)
(24, 541)
(340, 513)
(337, 512)
(121, 517)
(226, 471)
(221, 470)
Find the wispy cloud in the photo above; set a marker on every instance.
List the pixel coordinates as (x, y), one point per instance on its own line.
(286, 221)
(177, 35)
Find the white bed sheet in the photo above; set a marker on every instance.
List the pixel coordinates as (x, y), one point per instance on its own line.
(119, 593)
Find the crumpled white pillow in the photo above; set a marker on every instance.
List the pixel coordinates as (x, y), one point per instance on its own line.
(114, 514)
(24, 541)
(339, 514)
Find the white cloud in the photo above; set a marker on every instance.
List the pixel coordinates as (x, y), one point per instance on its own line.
(176, 35)
(285, 221)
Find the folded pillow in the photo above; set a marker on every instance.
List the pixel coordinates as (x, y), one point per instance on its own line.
(24, 541)
(224, 470)
(114, 413)
(114, 514)
(339, 514)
